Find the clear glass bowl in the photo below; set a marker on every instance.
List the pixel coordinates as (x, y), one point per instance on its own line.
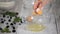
(47, 19)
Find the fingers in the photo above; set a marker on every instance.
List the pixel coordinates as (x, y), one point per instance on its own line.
(35, 5)
(43, 4)
(40, 6)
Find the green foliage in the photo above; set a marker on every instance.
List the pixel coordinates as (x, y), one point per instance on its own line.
(17, 19)
(5, 30)
(10, 13)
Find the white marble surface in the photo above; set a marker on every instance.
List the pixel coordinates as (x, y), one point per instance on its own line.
(51, 27)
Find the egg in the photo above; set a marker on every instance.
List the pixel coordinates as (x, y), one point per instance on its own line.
(33, 13)
(29, 18)
(39, 12)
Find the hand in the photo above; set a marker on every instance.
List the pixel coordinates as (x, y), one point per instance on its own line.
(40, 4)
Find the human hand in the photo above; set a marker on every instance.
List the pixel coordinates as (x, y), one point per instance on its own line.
(40, 4)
